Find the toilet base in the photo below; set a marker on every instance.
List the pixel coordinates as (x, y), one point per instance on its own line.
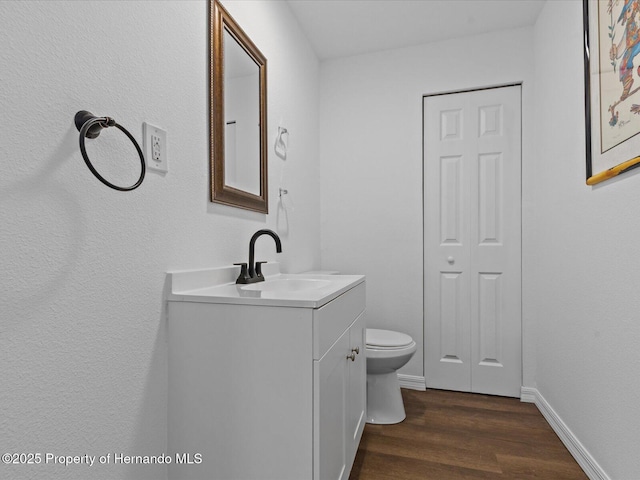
(384, 400)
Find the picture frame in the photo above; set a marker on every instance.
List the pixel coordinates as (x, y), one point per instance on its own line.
(612, 88)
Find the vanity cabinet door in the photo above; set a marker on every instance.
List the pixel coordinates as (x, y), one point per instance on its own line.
(340, 384)
(356, 388)
(330, 385)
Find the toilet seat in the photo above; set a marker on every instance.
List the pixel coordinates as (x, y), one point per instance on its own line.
(387, 340)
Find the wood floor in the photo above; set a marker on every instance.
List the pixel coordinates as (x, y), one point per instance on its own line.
(452, 435)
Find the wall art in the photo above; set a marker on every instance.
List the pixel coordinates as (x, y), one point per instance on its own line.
(612, 87)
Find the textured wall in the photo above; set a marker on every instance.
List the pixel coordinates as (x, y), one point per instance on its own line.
(82, 329)
(587, 266)
(371, 158)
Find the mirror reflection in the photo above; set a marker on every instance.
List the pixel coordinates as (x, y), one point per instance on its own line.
(242, 117)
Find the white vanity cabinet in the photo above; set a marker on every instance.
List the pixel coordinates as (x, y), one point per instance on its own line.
(275, 391)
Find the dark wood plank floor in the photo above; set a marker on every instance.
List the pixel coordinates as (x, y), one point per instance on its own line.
(452, 435)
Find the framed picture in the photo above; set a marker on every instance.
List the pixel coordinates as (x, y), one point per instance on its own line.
(612, 87)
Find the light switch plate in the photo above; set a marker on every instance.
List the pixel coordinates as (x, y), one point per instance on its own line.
(155, 147)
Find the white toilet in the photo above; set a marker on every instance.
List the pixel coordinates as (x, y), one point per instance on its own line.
(387, 351)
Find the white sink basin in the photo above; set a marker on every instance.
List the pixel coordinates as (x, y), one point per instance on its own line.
(286, 290)
(287, 285)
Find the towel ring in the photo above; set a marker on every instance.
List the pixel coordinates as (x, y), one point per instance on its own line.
(281, 146)
(90, 126)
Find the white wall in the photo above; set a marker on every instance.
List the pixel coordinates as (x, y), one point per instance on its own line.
(588, 313)
(371, 160)
(82, 330)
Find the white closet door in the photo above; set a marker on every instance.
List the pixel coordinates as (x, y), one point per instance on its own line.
(472, 241)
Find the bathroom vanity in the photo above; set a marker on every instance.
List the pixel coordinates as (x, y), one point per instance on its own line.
(266, 381)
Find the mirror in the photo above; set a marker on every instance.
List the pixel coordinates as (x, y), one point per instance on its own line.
(237, 115)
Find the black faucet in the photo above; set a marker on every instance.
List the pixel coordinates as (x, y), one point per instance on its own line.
(254, 274)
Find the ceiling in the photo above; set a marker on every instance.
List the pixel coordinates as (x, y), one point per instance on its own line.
(341, 28)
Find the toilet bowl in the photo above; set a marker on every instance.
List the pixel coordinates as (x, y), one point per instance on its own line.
(387, 351)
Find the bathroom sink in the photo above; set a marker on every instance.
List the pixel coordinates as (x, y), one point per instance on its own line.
(279, 289)
(288, 285)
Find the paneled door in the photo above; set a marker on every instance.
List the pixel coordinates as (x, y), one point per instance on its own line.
(472, 241)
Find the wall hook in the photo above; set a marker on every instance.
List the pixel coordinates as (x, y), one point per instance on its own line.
(90, 126)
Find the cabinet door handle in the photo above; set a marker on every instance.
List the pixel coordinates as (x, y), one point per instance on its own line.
(357, 350)
(352, 357)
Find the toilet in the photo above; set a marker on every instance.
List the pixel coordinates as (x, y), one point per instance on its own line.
(387, 351)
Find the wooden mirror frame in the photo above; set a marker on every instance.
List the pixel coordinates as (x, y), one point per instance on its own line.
(219, 21)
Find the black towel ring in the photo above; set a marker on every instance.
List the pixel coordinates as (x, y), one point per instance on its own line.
(90, 126)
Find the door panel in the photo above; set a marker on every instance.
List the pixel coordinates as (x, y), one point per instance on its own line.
(490, 198)
(451, 322)
(489, 319)
(451, 124)
(472, 236)
(448, 353)
(451, 199)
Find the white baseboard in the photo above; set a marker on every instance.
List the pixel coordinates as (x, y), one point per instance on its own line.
(412, 382)
(528, 394)
(581, 455)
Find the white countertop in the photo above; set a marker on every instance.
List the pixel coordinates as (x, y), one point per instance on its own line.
(283, 290)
